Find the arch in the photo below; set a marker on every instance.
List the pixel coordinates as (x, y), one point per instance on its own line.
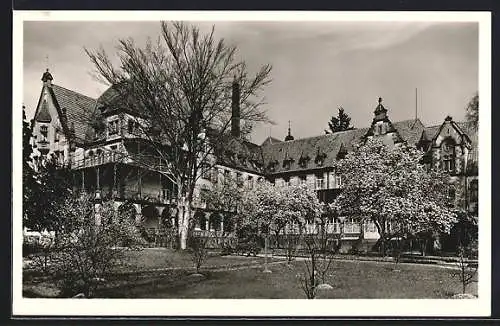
(150, 217)
(200, 220)
(215, 221)
(167, 217)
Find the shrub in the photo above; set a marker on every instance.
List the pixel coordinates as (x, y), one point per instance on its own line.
(198, 251)
(88, 251)
(466, 269)
(227, 249)
(249, 241)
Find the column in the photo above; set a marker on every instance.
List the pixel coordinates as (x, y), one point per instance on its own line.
(207, 221)
(222, 224)
(114, 191)
(138, 215)
(83, 180)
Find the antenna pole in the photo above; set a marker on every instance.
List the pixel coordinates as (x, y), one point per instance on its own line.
(416, 103)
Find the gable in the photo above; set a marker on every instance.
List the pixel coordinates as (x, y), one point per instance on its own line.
(449, 130)
(46, 113)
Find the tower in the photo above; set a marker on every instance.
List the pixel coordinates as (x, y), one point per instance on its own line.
(289, 137)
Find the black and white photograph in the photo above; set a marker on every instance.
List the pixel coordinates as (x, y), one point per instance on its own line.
(209, 155)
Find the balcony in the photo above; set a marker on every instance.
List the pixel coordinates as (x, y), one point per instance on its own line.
(96, 160)
(43, 146)
(152, 197)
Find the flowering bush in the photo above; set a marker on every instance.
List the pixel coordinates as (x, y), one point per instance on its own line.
(390, 187)
(93, 242)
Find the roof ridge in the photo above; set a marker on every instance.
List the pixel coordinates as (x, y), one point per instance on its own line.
(70, 90)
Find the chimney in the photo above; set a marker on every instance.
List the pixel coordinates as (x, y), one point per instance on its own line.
(47, 78)
(235, 106)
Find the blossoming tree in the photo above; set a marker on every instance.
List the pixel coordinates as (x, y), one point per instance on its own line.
(390, 187)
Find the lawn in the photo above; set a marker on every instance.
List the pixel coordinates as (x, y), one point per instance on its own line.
(350, 279)
(163, 273)
(160, 258)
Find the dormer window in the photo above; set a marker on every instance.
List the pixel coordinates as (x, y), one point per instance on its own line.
(320, 158)
(303, 161)
(272, 165)
(133, 126)
(113, 127)
(239, 179)
(242, 158)
(287, 162)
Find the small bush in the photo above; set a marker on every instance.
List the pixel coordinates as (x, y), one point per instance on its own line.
(227, 249)
(198, 251)
(87, 252)
(249, 241)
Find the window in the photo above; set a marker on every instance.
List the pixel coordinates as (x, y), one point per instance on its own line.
(286, 181)
(370, 227)
(44, 130)
(56, 137)
(338, 181)
(302, 180)
(303, 160)
(227, 176)
(448, 156)
(112, 127)
(320, 182)
(250, 182)
(133, 127)
(239, 178)
(351, 226)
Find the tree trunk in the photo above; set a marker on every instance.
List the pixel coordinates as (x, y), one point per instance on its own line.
(184, 213)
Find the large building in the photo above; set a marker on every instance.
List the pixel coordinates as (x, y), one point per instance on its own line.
(98, 140)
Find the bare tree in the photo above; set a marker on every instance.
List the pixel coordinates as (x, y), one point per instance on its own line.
(472, 109)
(467, 270)
(183, 85)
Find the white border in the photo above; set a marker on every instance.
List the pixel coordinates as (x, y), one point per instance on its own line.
(248, 307)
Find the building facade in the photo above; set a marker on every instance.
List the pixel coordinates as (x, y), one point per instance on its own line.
(100, 140)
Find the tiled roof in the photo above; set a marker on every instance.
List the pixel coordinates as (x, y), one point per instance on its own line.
(469, 129)
(79, 110)
(43, 115)
(240, 154)
(115, 97)
(330, 144)
(430, 132)
(270, 140)
(409, 130)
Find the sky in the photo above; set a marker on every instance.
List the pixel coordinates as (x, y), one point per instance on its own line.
(317, 66)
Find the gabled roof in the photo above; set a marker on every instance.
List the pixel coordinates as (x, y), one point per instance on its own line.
(240, 154)
(79, 110)
(270, 140)
(329, 144)
(469, 129)
(409, 130)
(43, 115)
(430, 132)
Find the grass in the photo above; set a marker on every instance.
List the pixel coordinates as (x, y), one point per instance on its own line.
(152, 259)
(163, 273)
(350, 279)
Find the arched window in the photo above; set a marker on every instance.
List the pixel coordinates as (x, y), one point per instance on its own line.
(448, 155)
